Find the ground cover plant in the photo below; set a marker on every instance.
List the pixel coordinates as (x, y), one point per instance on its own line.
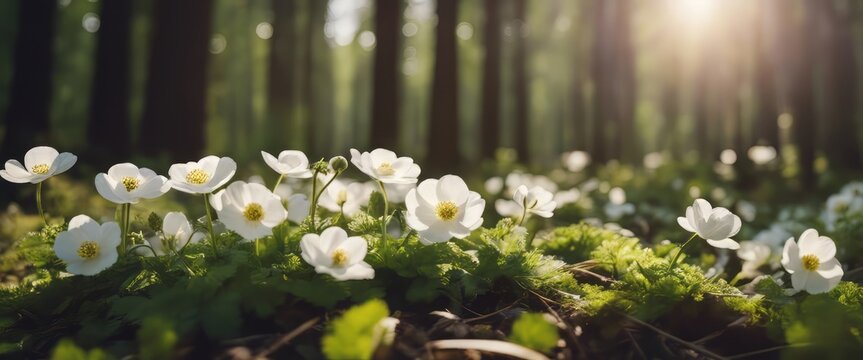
(320, 266)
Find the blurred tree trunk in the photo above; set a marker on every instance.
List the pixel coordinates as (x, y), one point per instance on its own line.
(443, 138)
(624, 73)
(175, 102)
(108, 132)
(768, 112)
(669, 137)
(491, 80)
(385, 95)
(801, 94)
(522, 135)
(839, 112)
(27, 115)
(599, 76)
(280, 94)
(315, 74)
(580, 137)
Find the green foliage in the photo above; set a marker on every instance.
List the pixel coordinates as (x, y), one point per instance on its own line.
(156, 339)
(67, 350)
(352, 335)
(534, 331)
(576, 243)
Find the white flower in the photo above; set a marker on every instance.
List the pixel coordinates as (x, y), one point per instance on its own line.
(40, 163)
(716, 225)
(653, 161)
(176, 233)
(761, 155)
(86, 247)
(516, 179)
(383, 165)
(127, 184)
(576, 161)
(754, 255)
(493, 185)
(203, 176)
(565, 197)
(440, 209)
(395, 192)
(812, 263)
(536, 201)
(617, 207)
(290, 163)
(345, 197)
(298, 207)
(840, 205)
(250, 210)
(336, 254)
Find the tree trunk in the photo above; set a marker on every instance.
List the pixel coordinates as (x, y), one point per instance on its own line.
(802, 95)
(385, 95)
(27, 115)
(108, 132)
(600, 69)
(175, 101)
(491, 81)
(522, 131)
(767, 129)
(280, 94)
(443, 143)
(624, 75)
(839, 113)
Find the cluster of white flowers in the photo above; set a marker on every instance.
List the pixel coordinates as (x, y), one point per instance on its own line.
(437, 209)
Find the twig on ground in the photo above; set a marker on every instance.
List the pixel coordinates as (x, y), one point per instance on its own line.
(288, 337)
(767, 350)
(676, 339)
(492, 346)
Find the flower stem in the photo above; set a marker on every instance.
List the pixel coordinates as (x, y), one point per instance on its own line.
(39, 202)
(279, 181)
(126, 215)
(523, 214)
(316, 194)
(384, 216)
(680, 250)
(210, 222)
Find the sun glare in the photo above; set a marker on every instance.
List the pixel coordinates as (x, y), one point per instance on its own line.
(694, 12)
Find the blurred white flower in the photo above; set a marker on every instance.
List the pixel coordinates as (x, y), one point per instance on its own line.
(716, 225)
(524, 202)
(841, 205)
(774, 237)
(383, 165)
(617, 207)
(653, 161)
(250, 210)
(290, 163)
(87, 247)
(40, 163)
(334, 253)
(761, 155)
(565, 197)
(176, 233)
(516, 179)
(576, 161)
(754, 255)
(203, 176)
(127, 184)
(345, 197)
(440, 209)
(812, 263)
(746, 209)
(728, 157)
(298, 207)
(493, 185)
(395, 192)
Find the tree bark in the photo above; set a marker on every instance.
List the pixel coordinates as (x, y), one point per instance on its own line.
(802, 95)
(491, 81)
(108, 132)
(443, 143)
(280, 96)
(175, 102)
(768, 112)
(27, 115)
(385, 94)
(601, 57)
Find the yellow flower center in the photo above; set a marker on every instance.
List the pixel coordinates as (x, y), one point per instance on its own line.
(130, 183)
(446, 210)
(386, 169)
(340, 257)
(88, 250)
(254, 212)
(841, 208)
(343, 197)
(40, 169)
(810, 262)
(197, 177)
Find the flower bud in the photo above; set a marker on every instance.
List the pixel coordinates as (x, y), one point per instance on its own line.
(339, 163)
(320, 166)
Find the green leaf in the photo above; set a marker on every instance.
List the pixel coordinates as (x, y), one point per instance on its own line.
(156, 339)
(351, 336)
(534, 331)
(376, 204)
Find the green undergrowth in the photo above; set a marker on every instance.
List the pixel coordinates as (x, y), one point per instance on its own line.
(205, 299)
